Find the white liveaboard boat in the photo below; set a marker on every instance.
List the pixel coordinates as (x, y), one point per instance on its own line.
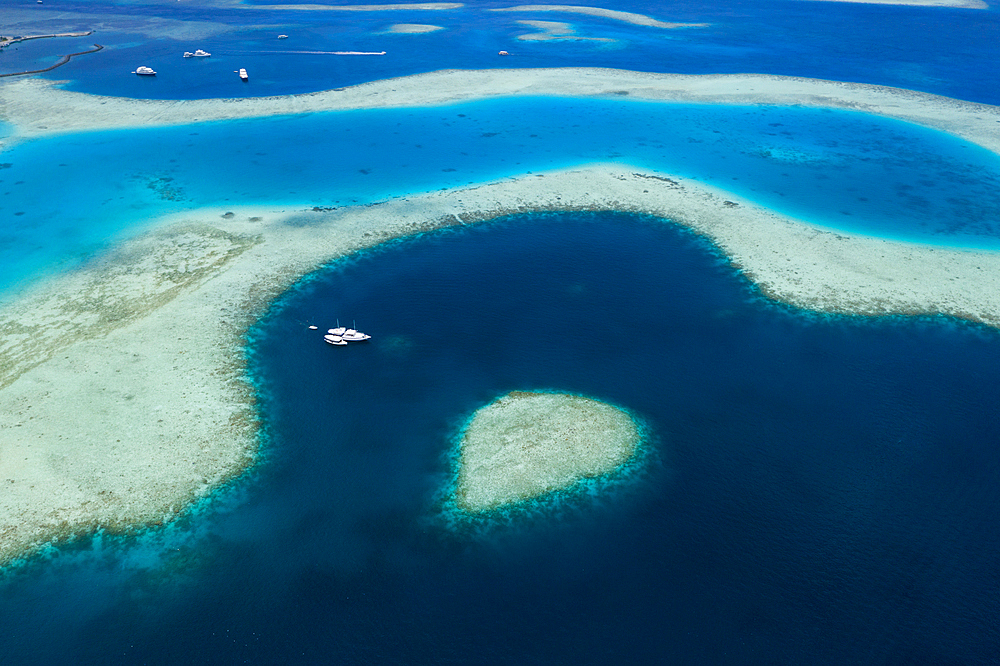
(243, 74)
(144, 71)
(197, 54)
(352, 335)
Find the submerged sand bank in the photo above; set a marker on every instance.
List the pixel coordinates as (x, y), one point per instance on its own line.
(122, 388)
(600, 12)
(527, 444)
(37, 107)
(555, 30)
(412, 28)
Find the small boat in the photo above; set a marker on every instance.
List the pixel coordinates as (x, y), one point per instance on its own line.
(144, 71)
(243, 74)
(282, 36)
(313, 328)
(334, 340)
(197, 54)
(504, 53)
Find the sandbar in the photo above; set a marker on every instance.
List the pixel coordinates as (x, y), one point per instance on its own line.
(555, 30)
(526, 444)
(412, 28)
(123, 392)
(613, 14)
(38, 107)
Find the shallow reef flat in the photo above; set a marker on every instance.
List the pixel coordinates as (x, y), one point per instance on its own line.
(526, 444)
(124, 396)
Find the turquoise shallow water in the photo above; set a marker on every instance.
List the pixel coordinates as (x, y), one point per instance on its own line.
(64, 198)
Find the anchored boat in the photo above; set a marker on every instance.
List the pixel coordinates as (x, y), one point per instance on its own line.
(144, 71)
(352, 335)
(346, 335)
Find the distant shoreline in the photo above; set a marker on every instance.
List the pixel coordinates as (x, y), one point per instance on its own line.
(6, 41)
(62, 61)
(150, 335)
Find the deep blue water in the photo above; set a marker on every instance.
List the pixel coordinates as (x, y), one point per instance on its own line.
(64, 198)
(939, 50)
(824, 490)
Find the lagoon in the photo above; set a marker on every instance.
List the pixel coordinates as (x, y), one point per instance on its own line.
(66, 197)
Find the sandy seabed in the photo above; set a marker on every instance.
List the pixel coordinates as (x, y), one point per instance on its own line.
(123, 395)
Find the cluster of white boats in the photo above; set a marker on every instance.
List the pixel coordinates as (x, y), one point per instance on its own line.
(341, 335)
(148, 71)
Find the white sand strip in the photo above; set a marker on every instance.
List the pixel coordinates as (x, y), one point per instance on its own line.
(122, 391)
(36, 107)
(613, 14)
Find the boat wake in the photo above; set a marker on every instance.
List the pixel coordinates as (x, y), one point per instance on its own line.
(371, 53)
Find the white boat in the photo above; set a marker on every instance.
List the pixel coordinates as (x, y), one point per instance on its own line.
(354, 335)
(197, 54)
(243, 74)
(144, 71)
(347, 334)
(282, 36)
(334, 340)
